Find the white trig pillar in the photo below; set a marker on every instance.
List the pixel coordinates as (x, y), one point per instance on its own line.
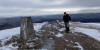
(26, 30)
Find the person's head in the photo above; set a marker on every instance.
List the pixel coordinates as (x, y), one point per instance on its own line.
(65, 13)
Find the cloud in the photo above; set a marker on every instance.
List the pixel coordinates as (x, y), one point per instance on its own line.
(86, 3)
(94, 10)
(42, 7)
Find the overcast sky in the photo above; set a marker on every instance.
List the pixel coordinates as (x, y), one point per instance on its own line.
(44, 7)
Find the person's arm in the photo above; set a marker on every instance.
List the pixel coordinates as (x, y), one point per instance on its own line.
(69, 18)
(63, 18)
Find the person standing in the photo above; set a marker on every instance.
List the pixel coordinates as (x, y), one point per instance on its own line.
(66, 19)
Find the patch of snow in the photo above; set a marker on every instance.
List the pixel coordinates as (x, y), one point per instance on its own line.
(67, 40)
(62, 23)
(5, 40)
(62, 29)
(50, 38)
(59, 35)
(90, 32)
(52, 32)
(5, 48)
(70, 22)
(96, 24)
(9, 32)
(38, 26)
(79, 46)
(9, 47)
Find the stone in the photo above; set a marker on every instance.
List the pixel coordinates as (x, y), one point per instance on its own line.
(26, 30)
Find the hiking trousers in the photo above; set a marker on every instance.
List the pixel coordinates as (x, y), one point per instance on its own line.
(67, 26)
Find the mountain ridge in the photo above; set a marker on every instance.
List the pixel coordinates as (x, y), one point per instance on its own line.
(6, 23)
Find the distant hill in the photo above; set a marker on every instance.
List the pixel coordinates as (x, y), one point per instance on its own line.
(86, 17)
(6, 23)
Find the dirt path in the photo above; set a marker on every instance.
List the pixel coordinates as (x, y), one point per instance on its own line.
(70, 41)
(48, 44)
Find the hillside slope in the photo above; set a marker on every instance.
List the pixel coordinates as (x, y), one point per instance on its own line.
(83, 36)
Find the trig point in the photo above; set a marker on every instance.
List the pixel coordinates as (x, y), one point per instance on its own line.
(26, 30)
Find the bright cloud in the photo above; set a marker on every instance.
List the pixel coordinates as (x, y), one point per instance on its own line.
(43, 7)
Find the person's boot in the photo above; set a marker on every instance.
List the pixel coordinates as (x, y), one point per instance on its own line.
(67, 31)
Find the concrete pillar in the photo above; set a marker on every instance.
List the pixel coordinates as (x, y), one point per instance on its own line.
(26, 30)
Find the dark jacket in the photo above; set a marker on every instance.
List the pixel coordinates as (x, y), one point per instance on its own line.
(66, 18)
